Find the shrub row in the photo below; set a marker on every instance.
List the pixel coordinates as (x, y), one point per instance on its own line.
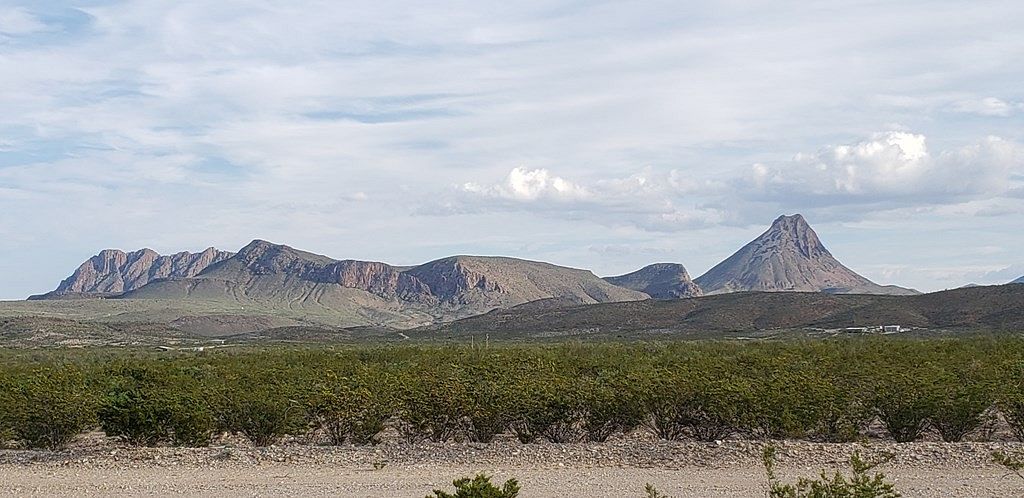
(827, 390)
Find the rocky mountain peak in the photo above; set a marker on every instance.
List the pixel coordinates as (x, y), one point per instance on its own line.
(789, 256)
(114, 271)
(792, 233)
(660, 281)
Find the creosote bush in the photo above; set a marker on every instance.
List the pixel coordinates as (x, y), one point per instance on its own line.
(827, 390)
(49, 408)
(350, 409)
(858, 485)
(261, 409)
(479, 487)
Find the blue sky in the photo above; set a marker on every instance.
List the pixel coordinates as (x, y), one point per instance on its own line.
(604, 135)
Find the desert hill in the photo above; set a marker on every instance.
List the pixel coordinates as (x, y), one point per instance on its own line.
(788, 257)
(660, 281)
(989, 308)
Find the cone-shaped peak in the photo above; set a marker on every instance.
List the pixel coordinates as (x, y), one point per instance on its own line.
(789, 256)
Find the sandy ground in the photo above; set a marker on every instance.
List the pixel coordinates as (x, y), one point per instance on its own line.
(101, 467)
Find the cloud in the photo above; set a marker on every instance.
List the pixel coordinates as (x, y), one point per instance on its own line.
(529, 185)
(989, 106)
(892, 168)
(888, 171)
(17, 21)
(645, 200)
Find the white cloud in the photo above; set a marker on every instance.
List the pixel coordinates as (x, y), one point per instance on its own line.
(889, 167)
(17, 21)
(530, 185)
(989, 106)
(645, 200)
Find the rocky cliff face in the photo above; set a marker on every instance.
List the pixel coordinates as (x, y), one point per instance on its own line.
(113, 271)
(263, 258)
(660, 281)
(488, 282)
(788, 257)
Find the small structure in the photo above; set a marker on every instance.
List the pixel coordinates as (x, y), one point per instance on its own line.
(891, 329)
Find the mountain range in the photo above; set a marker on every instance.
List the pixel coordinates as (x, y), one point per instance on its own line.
(277, 277)
(280, 285)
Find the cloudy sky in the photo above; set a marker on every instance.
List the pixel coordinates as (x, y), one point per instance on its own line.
(604, 135)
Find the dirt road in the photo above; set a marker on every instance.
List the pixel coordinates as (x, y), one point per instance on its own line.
(616, 469)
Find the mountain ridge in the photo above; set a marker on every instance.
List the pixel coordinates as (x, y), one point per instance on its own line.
(375, 293)
(993, 308)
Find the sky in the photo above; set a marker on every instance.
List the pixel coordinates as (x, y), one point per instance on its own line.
(594, 134)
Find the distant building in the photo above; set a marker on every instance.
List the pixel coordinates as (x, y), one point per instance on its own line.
(891, 329)
(855, 330)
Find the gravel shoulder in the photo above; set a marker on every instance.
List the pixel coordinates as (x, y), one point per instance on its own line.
(619, 468)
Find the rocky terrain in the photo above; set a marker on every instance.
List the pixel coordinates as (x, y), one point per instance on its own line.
(620, 467)
(660, 281)
(113, 272)
(788, 257)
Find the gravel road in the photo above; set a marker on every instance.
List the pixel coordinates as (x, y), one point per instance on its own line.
(614, 469)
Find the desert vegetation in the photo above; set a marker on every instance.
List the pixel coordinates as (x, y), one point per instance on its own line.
(859, 484)
(821, 391)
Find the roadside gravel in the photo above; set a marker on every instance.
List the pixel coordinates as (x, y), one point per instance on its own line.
(97, 466)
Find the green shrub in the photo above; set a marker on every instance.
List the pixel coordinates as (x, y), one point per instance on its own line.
(652, 492)
(609, 406)
(698, 405)
(858, 485)
(135, 416)
(349, 409)
(783, 405)
(489, 410)
(547, 409)
(905, 404)
(50, 408)
(431, 407)
(1011, 397)
(479, 487)
(1012, 408)
(262, 413)
(961, 407)
(192, 421)
(148, 404)
(6, 409)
